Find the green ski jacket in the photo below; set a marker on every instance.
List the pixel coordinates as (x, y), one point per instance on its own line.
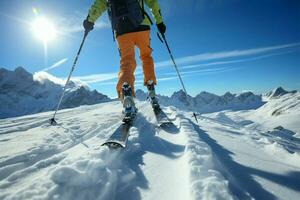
(100, 6)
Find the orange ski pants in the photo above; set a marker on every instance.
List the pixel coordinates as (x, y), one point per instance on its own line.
(126, 43)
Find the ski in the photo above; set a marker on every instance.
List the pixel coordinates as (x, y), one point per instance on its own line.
(161, 117)
(119, 137)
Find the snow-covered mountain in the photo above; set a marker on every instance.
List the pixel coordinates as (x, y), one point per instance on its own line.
(278, 92)
(207, 102)
(24, 93)
(281, 108)
(281, 102)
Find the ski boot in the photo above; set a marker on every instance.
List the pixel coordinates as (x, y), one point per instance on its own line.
(128, 103)
(152, 96)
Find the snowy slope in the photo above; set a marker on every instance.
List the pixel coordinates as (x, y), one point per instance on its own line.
(219, 158)
(279, 110)
(24, 93)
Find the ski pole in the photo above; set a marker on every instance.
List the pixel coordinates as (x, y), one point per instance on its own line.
(164, 40)
(52, 120)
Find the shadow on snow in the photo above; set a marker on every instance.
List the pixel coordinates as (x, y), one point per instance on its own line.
(241, 181)
(147, 141)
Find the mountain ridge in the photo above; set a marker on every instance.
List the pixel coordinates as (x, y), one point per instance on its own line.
(24, 93)
(279, 91)
(206, 102)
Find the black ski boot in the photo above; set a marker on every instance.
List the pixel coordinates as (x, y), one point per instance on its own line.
(152, 96)
(128, 103)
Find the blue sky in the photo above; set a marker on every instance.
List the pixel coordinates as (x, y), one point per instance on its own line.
(219, 45)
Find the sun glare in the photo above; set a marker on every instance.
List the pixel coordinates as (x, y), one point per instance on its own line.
(44, 29)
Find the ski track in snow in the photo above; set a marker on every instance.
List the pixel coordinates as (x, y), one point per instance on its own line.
(219, 158)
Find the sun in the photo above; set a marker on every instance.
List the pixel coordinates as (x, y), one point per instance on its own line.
(44, 29)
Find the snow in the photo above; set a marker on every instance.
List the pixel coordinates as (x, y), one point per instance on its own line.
(42, 77)
(266, 174)
(280, 111)
(206, 182)
(248, 154)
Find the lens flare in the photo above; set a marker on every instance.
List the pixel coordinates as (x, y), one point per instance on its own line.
(34, 10)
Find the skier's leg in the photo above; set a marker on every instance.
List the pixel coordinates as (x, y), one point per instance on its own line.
(127, 62)
(128, 103)
(152, 95)
(143, 43)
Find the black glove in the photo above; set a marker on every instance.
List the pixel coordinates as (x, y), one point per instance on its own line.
(161, 28)
(88, 26)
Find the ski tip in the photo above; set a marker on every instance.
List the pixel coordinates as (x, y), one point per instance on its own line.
(113, 145)
(128, 120)
(166, 124)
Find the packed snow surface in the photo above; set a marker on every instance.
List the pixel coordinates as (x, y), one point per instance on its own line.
(226, 155)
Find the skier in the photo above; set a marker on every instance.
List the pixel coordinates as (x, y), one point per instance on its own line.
(131, 28)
